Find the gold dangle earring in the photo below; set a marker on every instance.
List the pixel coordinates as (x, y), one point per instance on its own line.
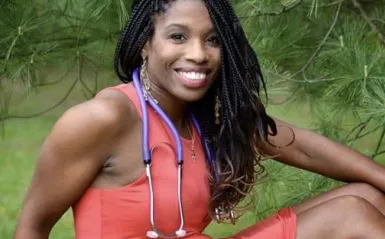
(144, 76)
(146, 81)
(217, 109)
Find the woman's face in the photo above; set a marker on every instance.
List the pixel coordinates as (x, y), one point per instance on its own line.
(183, 56)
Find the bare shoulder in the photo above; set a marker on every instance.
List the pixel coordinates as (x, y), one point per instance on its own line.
(95, 124)
(109, 110)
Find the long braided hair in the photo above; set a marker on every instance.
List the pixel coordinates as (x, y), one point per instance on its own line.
(244, 122)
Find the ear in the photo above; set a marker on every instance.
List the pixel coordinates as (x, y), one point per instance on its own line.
(145, 50)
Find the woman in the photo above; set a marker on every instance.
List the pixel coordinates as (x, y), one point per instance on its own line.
(197, 68)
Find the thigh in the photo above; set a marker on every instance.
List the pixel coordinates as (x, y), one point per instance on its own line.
(362, 190)
(341, 217)
(282, 225)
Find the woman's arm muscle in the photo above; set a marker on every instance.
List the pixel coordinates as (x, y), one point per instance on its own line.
(70, 159)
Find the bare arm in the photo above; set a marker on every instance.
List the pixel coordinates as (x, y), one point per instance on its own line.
(318, 154)
(70, 159)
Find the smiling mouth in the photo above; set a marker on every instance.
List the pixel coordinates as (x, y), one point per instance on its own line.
(193, 76)
(193, 79)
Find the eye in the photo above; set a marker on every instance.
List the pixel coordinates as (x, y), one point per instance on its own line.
(214, 40)
(178, 37)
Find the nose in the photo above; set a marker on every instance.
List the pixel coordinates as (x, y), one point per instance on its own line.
(197, 52)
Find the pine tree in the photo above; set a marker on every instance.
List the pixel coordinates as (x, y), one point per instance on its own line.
(64, 36)
(327, 53)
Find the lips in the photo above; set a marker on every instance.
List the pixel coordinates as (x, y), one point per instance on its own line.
(193, 78)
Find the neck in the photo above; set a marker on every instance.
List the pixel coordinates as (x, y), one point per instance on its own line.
(175, 108)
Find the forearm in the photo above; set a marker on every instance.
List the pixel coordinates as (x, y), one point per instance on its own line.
(315, 153)
(337, 161)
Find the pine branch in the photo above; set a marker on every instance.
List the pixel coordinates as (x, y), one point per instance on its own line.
(331, 4)
(372, 26)
(8, 117)
(336, 17)
(378, 20)
(9, 51)
(289, 98)
(361, 126)
(88, 92)
(283, 10)
(311, 59)
(376, 152)
(50, 83)
(81, 42)
(359, 136)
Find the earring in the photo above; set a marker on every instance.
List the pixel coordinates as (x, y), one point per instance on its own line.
(144, 75)
(146, 81)
(217, 108)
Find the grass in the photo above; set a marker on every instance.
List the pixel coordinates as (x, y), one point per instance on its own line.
(20, 147)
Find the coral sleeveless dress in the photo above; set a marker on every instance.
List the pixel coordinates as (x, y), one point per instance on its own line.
(124, 213)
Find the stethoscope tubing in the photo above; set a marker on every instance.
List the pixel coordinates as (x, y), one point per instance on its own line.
(148, 161)
(179, 155)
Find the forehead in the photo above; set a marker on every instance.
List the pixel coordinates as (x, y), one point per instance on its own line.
(192, 13)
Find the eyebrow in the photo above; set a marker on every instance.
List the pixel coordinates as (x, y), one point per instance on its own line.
(177, 25)
(184, 27)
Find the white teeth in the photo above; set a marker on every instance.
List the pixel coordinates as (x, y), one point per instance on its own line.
(193, 75)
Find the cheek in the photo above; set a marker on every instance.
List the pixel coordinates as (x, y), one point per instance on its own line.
(165, 53)
(158, 63)
(216, 57)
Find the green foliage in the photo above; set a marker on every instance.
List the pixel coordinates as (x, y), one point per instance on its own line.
(327, 56)
(315, 50)
(328, 53)
(64, 36)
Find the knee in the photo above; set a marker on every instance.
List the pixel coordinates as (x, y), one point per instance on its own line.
(346, 216)
(367, 192)
(354, 210)
(350, 203)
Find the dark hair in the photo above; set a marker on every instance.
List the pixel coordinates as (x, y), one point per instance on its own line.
(244, 122)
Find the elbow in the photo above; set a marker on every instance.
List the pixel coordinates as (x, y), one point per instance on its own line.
(29, 233)
(29, 229)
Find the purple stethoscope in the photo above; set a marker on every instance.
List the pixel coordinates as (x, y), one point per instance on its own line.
(154, 233)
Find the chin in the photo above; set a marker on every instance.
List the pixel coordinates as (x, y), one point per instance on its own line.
(190, 95)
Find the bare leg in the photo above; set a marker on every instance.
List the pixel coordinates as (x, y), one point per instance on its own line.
(362, 190)
(343, 217)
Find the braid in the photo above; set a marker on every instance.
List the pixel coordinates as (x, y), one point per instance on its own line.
(133, 39)
(244, 122)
